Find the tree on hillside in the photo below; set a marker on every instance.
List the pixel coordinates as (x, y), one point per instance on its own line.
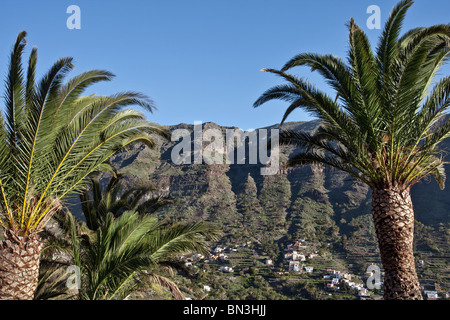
(249, 207)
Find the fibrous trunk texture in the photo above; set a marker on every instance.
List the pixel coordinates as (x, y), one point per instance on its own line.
(393, 216)
(19, 266)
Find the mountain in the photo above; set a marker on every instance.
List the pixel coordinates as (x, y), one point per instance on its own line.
(316, 203)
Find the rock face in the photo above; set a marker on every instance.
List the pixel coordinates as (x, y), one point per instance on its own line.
(310, 201)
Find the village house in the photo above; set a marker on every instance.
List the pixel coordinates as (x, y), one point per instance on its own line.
(294, 255)
(309, 269)
(330, 285)
(294, 266)
(298, 257)
(333, 274)
(206, 288)
(363, 292)
(347, 276)
(226, 269)
(349, 283)
(312, 255)
(331, 271)
(198, 256)
(223, 257)
(358, 286)
(431, 294)
(218, 249)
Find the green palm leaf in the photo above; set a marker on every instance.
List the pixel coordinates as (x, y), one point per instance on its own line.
(52, 137)
(385, 125)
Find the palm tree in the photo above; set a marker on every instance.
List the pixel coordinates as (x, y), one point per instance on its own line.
(383, 127)
(134, 242)
(121, 246)
(123, 253)
(52, 138)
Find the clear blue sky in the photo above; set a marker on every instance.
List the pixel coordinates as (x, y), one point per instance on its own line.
(198, 59)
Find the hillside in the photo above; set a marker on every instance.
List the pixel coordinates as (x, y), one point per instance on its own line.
(318, 204)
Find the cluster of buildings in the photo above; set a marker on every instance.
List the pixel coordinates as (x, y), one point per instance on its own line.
(190, 260)
(337, 280)
(216, 255)
(296, 253)
(295, 266)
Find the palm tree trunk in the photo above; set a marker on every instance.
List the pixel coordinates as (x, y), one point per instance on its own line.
(19, 266)
(393, 216)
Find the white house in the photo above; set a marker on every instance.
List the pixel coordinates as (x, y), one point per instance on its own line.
(226, 269)
(331, 286)
(431, 294)
(357, 286)
(298, 257)
(349, 283)
(294, 266)
(347, 276)
(312, 255)
(198, 256)
(218, 249)
(207, 288)
(363, 292)
(309, 269)
(223, 257)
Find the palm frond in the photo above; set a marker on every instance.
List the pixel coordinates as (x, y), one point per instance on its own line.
(387, 47)
(385, 126)
(131, 243)
(166, 283)
(315, 158)
(53, 138)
